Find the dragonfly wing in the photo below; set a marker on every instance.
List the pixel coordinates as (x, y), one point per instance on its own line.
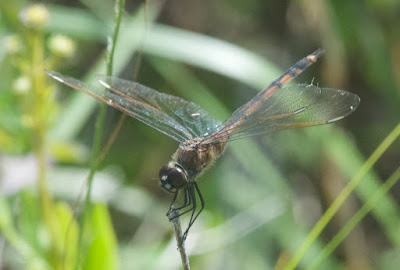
(331, 105)
(291, 107)
(190, 116)
(165, 113)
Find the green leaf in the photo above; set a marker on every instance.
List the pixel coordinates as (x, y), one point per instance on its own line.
(30, 223)
(32, 259)
(66, 236)
(69, 152)
(5, 214)
(102, 250)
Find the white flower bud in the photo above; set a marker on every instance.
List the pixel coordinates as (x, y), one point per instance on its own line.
(35, 16)
(62, 46)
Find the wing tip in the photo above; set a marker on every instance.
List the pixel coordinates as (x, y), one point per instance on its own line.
(352, 108)
(54, 75)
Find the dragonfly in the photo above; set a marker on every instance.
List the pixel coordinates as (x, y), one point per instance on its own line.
(202, 138)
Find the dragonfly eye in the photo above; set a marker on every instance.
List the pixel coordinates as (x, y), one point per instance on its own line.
(172, 178)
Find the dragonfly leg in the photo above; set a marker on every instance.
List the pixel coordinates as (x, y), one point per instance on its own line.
(193, 219)
(187, 202)
(192, 188)
(172, 203)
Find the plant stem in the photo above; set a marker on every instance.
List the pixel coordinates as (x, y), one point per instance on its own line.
(118, 8)
(39, 117)
(39, 125)
(180, 241)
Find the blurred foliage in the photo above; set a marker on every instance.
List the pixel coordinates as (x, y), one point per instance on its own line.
(262, 197)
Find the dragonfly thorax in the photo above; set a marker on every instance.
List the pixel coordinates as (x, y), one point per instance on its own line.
(172, 177)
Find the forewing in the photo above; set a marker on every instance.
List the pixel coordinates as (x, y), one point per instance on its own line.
(188, 115)
(291, 107)
(168, 114)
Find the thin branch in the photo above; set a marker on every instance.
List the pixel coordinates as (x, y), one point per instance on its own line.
(180, 241)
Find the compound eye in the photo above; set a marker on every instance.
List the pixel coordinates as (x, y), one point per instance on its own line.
(172, 178)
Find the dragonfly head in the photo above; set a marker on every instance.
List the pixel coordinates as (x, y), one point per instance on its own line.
(172, 177)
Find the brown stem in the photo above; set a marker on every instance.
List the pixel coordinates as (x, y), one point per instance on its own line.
(180, 241)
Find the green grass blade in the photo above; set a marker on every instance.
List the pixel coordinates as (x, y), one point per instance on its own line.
(346, 156)
(321, 224)
(369, 204)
